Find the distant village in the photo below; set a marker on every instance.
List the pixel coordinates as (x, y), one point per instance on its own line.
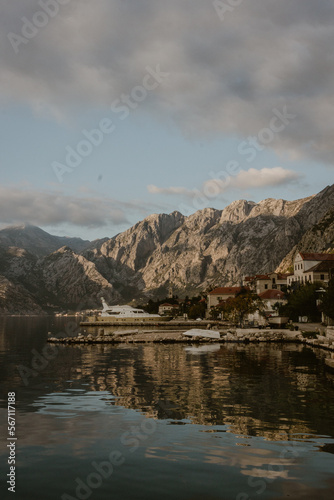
(297, 296)
(272, 290)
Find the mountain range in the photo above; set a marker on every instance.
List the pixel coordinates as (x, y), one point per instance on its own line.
(211, 247)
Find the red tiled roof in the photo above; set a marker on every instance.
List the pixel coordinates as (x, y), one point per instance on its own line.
(317, 256)
(166, 304)
(228, 290)
(272, 294)
(257, 277)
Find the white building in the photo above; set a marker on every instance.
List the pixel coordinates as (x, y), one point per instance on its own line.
(259, 283)
(168, 308)
(216, 296)
(312, 267)
(269, 298)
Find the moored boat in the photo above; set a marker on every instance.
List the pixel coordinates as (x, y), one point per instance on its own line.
(125, 314)
(196, 332)
(278, 321)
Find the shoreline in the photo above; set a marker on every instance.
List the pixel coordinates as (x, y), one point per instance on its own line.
(241, 336)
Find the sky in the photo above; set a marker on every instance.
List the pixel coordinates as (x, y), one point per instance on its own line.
(116, 109)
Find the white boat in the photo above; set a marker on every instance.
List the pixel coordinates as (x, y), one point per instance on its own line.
(278, 320)
(196, 332)
(127, 314)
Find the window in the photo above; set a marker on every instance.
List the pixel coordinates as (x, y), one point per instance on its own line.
(310, 278)
(322, 277)
(274, 281)
(266, 287)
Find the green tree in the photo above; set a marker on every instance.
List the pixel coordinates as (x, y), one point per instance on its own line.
(238, 307)
(197, 311)
(215, 312)
(303, 302)
(327, 300)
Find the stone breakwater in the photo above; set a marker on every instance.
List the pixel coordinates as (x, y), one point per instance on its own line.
(176, 336)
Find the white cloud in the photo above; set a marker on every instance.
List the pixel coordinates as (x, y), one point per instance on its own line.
(265, 177)
(245, 179)
(225, 77)
(52, 208)
(170, 190)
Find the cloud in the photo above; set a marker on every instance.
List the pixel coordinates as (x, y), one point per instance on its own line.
(245, 179)
(171, 190)
(51, 208)
(253, 178)
(226, 76)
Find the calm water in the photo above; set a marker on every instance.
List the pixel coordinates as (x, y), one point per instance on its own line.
(165, 421)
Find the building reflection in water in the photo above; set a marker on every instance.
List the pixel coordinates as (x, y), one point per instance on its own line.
(269, 391)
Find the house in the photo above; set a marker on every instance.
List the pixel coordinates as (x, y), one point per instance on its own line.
(168, 309)
(218, 295)
(272, 297)
(312, 267)
(259, 283)
(269, 298)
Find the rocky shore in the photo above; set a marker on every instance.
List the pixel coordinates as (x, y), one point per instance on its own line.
(251, 335)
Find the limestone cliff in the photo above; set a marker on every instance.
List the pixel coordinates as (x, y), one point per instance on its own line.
(208, 248)
(70, 280)
(15, 299)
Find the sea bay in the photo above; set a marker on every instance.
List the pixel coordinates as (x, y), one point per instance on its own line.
(169, 421)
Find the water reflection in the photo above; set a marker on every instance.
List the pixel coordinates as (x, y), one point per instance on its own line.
(250, 418)
(271, 391)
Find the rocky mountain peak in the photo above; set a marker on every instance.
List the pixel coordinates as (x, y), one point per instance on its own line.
(237, 211)
(208, 248)
(203, 218)
(64, 249)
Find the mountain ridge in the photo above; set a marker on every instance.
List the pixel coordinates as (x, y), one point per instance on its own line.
(190, 253)
(36, 240)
